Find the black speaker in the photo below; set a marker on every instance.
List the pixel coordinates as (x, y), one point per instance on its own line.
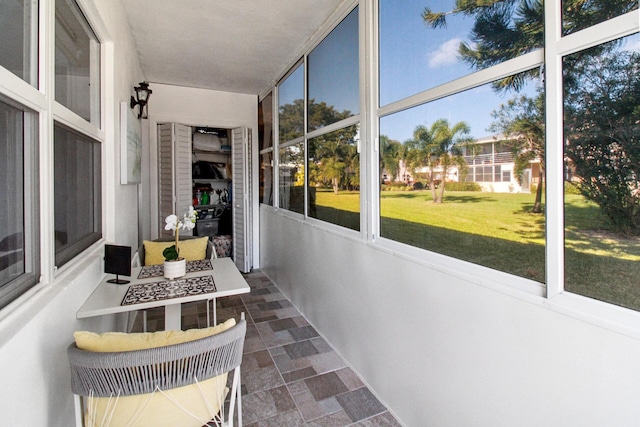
(117, 260)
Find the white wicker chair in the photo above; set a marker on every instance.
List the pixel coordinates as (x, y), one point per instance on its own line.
(157, 370)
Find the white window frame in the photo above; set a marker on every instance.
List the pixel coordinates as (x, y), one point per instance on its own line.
(92, 129)
(337, 18)
(556, 47)
(31, 211)
(551, 295)
(41, 100)
(270, 149)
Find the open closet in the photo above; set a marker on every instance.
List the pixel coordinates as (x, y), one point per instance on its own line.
(208, 168)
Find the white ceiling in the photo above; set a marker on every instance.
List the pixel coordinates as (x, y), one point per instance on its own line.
(230, 45)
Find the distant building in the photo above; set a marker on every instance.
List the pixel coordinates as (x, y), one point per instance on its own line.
(492, 167)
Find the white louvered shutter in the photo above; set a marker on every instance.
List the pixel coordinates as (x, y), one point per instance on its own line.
(240, 145)
(182, 163)
(174, 171)
(165, 173)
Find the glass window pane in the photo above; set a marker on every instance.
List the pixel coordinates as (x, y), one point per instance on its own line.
(334, 75)
(77, 197)
(455, 208)
(422, 47)
(291, 106)
(12, 211)
(291, 178)
(334, 178)
(19, 237)
(77, 63)
(602, 187)
(265, 122)
(19, 35)
(579, 14)
(266, 178)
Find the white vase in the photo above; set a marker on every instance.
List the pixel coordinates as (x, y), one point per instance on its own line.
(175, 268)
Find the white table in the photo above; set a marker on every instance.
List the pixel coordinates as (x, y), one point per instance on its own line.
(107, 297)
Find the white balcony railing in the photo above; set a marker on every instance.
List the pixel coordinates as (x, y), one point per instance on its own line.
(489, 159)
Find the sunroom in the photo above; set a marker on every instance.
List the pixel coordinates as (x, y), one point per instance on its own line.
(454, 306)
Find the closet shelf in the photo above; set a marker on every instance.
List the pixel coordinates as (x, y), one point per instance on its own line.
(197, 151)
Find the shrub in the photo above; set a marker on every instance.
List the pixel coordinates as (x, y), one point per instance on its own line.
(571, 188)
(534, 187)
(462, 186)
(395, 186)
(418, 185)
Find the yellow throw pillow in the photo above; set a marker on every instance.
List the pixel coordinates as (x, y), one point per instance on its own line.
(186, 406)
(191, 250)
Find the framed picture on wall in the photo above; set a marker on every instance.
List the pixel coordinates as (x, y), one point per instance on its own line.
(130, 146)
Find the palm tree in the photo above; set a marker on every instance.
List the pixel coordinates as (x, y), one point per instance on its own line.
(331, 157)
(332, 169)
(391, 153)
(418, 151)
(447, 149)
(439, 148)
(352, 167)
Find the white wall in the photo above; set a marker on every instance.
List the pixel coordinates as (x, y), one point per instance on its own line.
(201, 107)
(442, 351)
(126, 74)
(33, 361)
(35, 332)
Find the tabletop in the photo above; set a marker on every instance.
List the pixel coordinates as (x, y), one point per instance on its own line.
(108, 298)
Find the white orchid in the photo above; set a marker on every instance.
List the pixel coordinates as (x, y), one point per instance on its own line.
(171, 221)
(187, 222)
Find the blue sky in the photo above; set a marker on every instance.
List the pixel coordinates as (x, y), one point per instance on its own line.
(333, 70)
(333, 67)
(414, 58)
(292, 88)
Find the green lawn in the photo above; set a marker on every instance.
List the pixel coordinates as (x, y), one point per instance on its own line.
(491, 229)
(341, 209)
(499, 231)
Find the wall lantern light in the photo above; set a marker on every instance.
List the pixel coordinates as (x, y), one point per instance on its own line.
(142, 97)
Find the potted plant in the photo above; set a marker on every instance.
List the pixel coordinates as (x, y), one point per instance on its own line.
(174, 265)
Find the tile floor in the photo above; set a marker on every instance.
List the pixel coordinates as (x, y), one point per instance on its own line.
(290, 375)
